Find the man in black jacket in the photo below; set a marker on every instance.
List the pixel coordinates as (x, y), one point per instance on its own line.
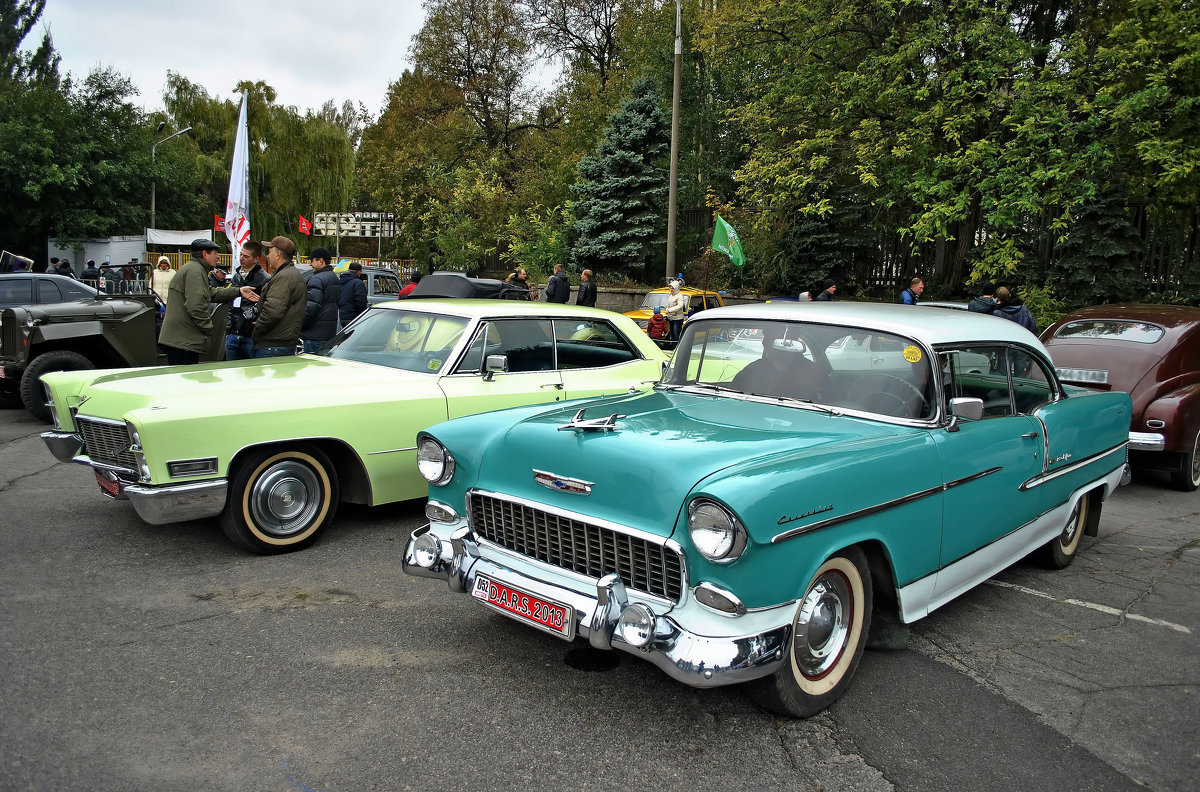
(986, 302)
(324, 294)
(587, 290)
(558, 288)
(354, 294)
(239, 326)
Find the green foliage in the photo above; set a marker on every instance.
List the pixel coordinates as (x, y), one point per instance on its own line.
(1043, 304)
(537, 240)
(622, 188)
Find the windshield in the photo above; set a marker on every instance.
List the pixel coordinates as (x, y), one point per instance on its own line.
(834, 366)
(409, 340)
(655, 300)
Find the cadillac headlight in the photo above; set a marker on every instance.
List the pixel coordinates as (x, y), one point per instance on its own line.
(434, 462)
(715, 532)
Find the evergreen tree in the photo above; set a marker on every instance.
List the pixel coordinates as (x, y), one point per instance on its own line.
(622, 187)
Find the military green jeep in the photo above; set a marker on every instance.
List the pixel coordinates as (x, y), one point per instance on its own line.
(110, 330)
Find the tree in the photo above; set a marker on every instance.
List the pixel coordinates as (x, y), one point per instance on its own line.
(17, 19)
(621, 188)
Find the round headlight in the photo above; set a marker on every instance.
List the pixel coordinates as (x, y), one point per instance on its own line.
(636, 625)
(715, 532)
(434, 461)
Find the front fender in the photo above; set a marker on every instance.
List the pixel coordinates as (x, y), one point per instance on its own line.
(800, 510)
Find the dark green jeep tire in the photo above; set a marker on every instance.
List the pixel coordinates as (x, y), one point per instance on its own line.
(32, 395)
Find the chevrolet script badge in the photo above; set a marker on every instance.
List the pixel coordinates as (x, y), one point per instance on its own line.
(551, 481)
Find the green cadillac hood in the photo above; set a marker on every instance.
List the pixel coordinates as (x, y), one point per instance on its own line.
(666, 443)
(247, 386)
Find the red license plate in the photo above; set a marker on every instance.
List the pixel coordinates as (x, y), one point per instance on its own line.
(111, 487)
(553, 617)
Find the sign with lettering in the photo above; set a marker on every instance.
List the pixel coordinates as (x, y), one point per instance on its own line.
(354, 224)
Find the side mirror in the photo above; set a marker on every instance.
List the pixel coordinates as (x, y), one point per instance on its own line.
(967, 408)
(499, 363)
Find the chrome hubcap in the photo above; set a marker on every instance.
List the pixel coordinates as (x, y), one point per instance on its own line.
(823, 624)
(285, 498)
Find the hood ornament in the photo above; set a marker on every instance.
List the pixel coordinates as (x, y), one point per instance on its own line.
(594, 425)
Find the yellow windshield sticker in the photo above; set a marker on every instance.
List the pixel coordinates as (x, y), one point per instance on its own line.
(912, 354)
(434, 365)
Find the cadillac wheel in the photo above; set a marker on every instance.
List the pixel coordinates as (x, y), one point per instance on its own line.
(280, 499)
(828, 635)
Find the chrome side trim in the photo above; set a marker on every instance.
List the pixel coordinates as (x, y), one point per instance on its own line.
(868, 511)
(392, 451)
(162, 505)
(1147, 441)
(1042, 478)
(64, 445)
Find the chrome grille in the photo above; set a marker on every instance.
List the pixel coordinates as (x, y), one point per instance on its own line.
(580, 546)
(107, 443)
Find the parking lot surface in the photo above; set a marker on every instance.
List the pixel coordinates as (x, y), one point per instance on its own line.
(161, 657)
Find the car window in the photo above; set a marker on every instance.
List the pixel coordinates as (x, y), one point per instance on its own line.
(16, 291)
(528, 345)
(1112, 330)
(711, 302)
(48, 291)
(74, 291)
(409, 340)
(872, 372)
(386, 284)
(589, 344)
(1009, 380)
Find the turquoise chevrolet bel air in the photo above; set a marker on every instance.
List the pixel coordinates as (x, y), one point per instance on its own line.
(272, 445)
(796, 470)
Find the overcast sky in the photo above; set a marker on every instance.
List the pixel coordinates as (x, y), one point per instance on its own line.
(309, 51)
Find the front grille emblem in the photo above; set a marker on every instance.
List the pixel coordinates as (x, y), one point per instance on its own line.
(551, 481)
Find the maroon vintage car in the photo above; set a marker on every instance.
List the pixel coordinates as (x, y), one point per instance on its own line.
(1153, 353)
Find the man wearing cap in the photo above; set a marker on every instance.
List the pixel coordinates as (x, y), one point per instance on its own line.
(828, 289)
(188, 321)
(354, 294)
(986, 302)
(281, 309)
(238, 328)
(324, 296)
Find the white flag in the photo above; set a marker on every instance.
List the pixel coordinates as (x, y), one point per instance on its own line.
(237, 205)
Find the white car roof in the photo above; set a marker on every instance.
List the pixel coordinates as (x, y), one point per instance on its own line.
(934, 326)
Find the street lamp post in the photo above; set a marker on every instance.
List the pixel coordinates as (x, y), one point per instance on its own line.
(673, 199)
(152, 148)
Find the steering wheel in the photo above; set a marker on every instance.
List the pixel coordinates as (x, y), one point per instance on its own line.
(868, 391)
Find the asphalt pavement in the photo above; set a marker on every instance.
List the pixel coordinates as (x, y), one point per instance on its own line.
(139, 657)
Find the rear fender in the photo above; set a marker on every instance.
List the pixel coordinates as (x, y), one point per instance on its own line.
(1179, 412)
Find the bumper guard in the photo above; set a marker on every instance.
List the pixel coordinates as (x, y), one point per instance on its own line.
(696, 659)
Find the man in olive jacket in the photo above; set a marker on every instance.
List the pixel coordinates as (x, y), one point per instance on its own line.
(281, 309)
(188, 323)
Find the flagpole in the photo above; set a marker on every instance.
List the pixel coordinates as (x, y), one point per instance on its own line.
(673, 200)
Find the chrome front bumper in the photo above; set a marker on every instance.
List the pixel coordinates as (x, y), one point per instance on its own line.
(179, 502)
(691, 643)
(64, 445)
(1146, 441)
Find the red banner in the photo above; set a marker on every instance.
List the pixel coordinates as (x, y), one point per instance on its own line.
(218, 223)
(305, 226)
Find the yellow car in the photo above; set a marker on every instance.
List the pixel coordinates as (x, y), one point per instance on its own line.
(698, 300)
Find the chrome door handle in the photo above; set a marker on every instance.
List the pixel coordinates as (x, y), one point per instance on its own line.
(555, 385)
(1030, 435)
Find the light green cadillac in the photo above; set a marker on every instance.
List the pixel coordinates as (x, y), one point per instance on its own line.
(272, 446)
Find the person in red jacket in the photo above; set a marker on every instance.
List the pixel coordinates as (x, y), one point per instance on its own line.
(413, 280)
(658, 327)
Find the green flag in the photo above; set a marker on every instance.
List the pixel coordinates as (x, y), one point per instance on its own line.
(726, 240)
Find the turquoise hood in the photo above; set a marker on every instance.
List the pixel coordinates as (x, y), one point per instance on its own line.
(666, 443)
